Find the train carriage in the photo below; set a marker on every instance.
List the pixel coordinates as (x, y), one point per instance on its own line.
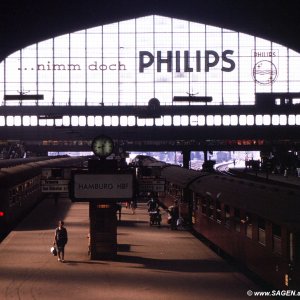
(20, 187)
(255, 223)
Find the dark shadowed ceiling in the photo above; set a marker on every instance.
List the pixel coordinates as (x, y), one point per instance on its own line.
(24, 22)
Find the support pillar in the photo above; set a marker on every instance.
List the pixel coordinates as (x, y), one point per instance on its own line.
(186, 154)
(205, 155)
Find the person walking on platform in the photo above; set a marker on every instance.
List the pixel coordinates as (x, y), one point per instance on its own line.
(60, 240)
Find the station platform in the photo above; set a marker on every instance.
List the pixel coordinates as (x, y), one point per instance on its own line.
(152, 262)
(270, 177)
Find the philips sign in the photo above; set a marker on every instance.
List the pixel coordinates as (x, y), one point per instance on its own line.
(182, 61)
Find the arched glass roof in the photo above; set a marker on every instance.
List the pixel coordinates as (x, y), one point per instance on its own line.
(130, 62)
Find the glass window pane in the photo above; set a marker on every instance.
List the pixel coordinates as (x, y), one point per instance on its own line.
(115, 121)
(10, 121)
(98, 121)
(167, 120)
(234, 120)
(258, 120)
(131, 120)
(242, 120)
(226, 120)
(2, 121)
(18, 121)
(176, 121)
(275, 120)
(250, 120)
(283, 120)
(107, 121)
(193, 120)
(26, 120)
(210, 120)
(91, 121)
(292, 120)
(123, 121)
(184, 120)
(66, 121)
(266, 120)
(82, 120)
(201, 120)
(217, 120)
(74, 120)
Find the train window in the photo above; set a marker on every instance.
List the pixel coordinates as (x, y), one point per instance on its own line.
(211, 209)
(262, 231)
(249, 226)
(227, 216)
(196, 201)
(218, 212)
(237, 220)
(57, 173)
(293, 245)
(276, 238)
(203, 206)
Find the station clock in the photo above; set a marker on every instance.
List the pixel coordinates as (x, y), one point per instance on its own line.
(102, 146)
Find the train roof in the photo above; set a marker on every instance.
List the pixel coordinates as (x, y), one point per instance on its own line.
(17, 174)
(278, 204)
(180, 176)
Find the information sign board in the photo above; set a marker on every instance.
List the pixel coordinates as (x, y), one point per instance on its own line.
(88, 186)
(55, 185)
(152, 185)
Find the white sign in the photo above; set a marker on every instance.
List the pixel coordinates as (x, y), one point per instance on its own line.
(152, 185)
(55, 189)
(103, 186)
(55, 185)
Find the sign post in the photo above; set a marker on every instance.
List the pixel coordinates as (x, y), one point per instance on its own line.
(102, 187)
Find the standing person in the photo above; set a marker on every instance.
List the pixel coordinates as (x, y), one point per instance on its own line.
(152, 204)
(133, 205)
(60, 240)
(174, 213)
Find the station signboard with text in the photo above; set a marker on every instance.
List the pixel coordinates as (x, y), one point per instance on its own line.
(87, 186)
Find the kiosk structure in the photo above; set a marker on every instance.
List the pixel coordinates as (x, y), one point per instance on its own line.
(103, 184)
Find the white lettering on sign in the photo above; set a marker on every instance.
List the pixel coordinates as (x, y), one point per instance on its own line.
(55, 185)
(103, 186)
(55, 189)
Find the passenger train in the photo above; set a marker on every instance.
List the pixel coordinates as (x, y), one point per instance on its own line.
(20, 187)
(255, 223)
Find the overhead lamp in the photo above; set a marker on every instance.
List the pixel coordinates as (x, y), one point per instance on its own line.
(22, 97)
(192, 98)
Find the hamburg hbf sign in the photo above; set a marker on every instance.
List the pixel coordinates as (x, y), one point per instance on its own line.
(86, 187)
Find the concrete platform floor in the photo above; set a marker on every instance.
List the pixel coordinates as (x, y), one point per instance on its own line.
(152, 263)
